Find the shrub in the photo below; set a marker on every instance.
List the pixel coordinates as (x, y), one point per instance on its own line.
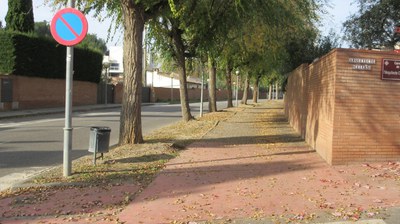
(28, 55)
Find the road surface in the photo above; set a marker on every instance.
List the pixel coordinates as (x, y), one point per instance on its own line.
(33, 144)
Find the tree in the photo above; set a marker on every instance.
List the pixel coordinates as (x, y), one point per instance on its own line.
(42, 29)
(181, 33)
(132, 15)
(20, 16)
(168, 38)
(264, 28)
(372, 26)
(308, 46)
(93, 42)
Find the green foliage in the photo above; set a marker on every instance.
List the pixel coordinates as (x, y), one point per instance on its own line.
(7, 53)
(20, 16)
(373, 25)
(27, 55)
(91, 41)
(42, 29)
(307, 48)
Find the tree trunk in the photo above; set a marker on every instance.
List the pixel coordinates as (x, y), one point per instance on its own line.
(131, 121)
(212, 99)
(245, 90)
(229, 85)
(270, 92)
(277, 91)
(255, 89)
(180, 57)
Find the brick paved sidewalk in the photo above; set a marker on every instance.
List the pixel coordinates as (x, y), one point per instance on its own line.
(251, 168)
(254, 166)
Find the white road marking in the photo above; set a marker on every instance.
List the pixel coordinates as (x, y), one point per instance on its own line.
(13, 124)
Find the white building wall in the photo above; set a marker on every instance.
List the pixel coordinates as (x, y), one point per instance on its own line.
(115, 58)
(156, 80)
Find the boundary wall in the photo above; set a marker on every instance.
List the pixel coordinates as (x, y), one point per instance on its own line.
(343, 108)
(31, 92)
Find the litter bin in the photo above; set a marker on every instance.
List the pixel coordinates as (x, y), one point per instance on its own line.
(99, 139)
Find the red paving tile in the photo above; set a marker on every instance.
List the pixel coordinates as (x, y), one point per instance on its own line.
(207, 183)
(68, 204)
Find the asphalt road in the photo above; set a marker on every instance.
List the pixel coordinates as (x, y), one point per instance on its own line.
(32, 144)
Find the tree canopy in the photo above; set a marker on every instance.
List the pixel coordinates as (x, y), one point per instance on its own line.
(373, 25)
(248, 34)
(20, 16)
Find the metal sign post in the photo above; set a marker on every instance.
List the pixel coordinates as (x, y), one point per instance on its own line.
(68, 112)
(237, 88)
(202, 93)
(68, 27)
(67, 162)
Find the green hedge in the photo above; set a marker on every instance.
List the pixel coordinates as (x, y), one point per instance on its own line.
(28, 55)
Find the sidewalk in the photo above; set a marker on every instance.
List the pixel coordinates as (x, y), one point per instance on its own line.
(251, 168)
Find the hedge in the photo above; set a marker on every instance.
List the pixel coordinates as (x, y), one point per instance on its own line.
(28, 55)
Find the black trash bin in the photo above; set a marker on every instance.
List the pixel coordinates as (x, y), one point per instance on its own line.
(99, 139)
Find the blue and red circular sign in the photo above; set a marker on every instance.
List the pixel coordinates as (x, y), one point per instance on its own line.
(69, 26)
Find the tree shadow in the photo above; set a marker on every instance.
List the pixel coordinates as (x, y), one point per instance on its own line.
(179, 179)
(144, 158)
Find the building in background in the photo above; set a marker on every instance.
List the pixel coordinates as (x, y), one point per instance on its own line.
(153, 77)
(113, 61)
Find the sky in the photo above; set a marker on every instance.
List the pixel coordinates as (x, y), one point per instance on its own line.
(338, 12)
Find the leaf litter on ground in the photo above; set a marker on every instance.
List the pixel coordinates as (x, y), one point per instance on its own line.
(126, 164)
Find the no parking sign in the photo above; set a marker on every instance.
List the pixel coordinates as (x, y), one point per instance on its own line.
(69, 26)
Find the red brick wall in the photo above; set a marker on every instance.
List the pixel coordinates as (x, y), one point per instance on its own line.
(309, 103)
(347, 115)
(296, 99)
(164, 94)
(367, 111)
(31, 92)
(118, 92)
(159, 94)
(320, 105)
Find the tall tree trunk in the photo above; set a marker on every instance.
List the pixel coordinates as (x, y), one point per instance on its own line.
(229, 84)
(180, 52)
(212, 99)
(270, 92)
(255, 89)
(245, 90)
(277, 91)
(131, 121)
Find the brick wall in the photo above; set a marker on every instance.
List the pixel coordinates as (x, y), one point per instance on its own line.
(31, 92)
(309, 103)
(159, 94)
(164, 94)
(346, 115)
(367, 111)
(320, 105)
(296, 99)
